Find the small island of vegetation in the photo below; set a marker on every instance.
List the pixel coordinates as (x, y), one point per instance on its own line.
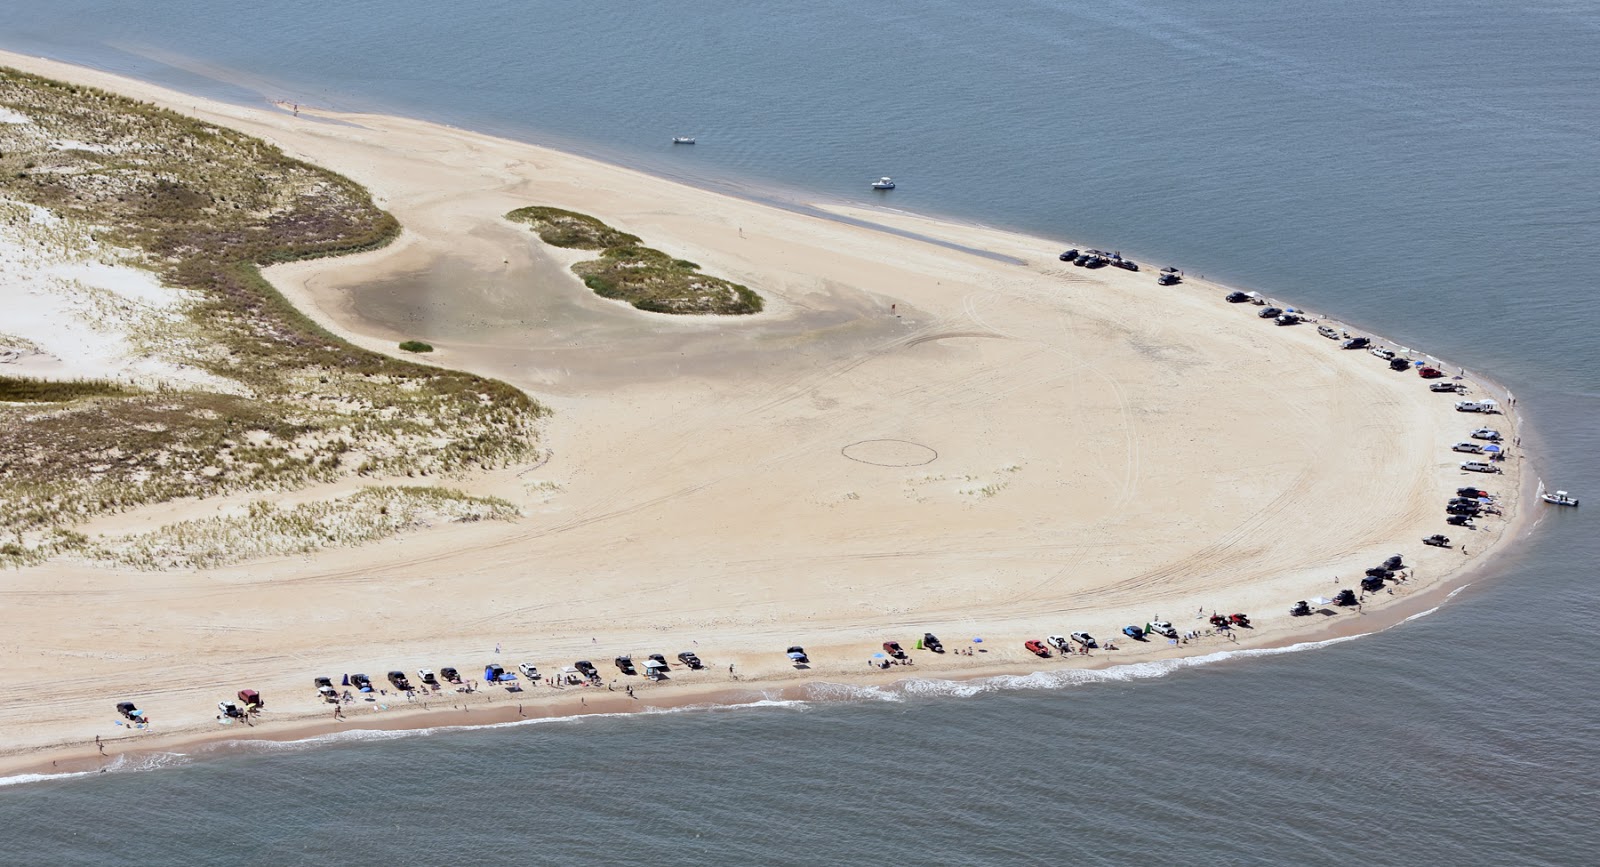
(628, 271)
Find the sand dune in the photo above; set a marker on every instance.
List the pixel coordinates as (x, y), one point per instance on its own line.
(1015, 450)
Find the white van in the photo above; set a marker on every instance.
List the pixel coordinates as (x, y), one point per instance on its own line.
(1479, 467)
(1477, 406)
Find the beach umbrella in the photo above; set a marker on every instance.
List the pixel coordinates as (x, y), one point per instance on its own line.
(977, 641)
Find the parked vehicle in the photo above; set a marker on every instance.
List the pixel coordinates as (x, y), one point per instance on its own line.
(325, 689)
(625, 665)
(1394, 563)
(361, 682)
(1162, 627)
(1399, 364)
(1356, 343)
(1068, 256)
(932, 642)
(1474, 493)
(1239, 620)
(1459, 521)
(252, 700)
(1085, 639)
(1231, 297)
(450, 674)
(894, 649)
(1372, 583)
(689, 659)
(1470, 448)
(587, 669)
(1059, 642)
(1385, 354)
(1328, 331)
(1300, 609)
(427, 677)
(1037, 648)
(1219, 621)
(1269, 312)
(1488, 406)
(1437, 540)
(1290, 319)
(1454, 387)
(397, 679)
(1125, 264)
(797, 654)
(528, 670)
(1485, 433)
(230, 710)
(1345, 598)
(1479, 467)
(1133, 632)
(1429, 372)
(130, 711)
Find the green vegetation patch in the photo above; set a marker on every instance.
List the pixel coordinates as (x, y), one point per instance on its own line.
(17, 389)
(627, 271)
(416, 346)
(206, 207)
(560, 228)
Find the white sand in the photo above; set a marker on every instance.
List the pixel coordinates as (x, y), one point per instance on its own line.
(73, 309)
(1107, 451)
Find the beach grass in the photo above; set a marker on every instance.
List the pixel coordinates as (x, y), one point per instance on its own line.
(205, 208)
(21, 389)
(628, 271)
(416, 346)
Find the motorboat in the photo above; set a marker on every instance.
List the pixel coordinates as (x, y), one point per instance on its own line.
(683, 139)
(883, 183)
(1559, 498)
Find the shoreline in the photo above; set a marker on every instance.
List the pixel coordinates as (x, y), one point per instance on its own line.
(307, 725)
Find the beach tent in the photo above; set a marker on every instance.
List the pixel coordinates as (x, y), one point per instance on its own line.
(795, 654)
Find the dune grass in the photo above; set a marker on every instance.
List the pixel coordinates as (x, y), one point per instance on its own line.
(207, 207)
(628, 271)
(20, 389)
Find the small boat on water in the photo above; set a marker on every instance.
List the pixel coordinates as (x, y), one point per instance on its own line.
(1559, 498)
(683, 139)
(883, 183)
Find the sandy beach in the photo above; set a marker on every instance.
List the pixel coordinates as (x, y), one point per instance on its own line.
(913, 437)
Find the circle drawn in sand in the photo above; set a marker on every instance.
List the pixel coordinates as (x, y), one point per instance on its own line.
(890, 453)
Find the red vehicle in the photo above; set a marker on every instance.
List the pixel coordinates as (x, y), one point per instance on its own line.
(1239, 620)
(1218, 620)
(893, 649)
(1037, 648)
(1429, 372)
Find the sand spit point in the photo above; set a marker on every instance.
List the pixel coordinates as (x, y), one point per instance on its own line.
(1108, 451)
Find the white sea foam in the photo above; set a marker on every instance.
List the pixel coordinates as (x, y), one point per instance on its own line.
(20, 779)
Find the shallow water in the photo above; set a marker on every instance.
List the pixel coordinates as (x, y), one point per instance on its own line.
(1426, 169)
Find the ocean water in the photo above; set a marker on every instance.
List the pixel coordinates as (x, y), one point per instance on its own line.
(1426, 169)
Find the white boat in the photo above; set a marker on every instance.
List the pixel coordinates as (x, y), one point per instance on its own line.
(683, 139)
(1559, 498)
(883, 183)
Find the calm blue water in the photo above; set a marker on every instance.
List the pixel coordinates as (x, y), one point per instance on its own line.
(1428, 169)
